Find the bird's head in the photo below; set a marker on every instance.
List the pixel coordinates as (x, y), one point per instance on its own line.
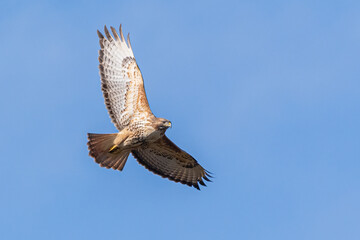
(162, 124)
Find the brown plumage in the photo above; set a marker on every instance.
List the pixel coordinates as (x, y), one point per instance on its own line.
(140, 132)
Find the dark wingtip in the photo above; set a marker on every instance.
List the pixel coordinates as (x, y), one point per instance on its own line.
(107, 33)
(100, 34)
(209, 173)
(195, 185)
(115, 33)
(206, 178)
(128, 41)
(121, 33)
(202, 182)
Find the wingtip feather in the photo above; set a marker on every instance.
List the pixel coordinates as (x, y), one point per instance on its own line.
(115, 33)
(121, 34)
(195, 185)
(128, 41)
(100, 34)
(206, 178)
(107, 33)
(202, 182)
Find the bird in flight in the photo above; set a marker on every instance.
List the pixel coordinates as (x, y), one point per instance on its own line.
(140, 132)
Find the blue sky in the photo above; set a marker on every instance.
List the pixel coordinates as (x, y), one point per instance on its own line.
(265, 94)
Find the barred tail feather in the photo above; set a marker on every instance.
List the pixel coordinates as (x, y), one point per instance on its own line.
(99, 148)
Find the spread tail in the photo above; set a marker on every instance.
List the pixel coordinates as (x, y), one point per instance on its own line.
(103, 150)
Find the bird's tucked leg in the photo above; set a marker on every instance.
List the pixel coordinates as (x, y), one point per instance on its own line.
(114, 148)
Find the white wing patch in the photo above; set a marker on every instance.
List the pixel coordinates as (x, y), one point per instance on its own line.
(121, 79)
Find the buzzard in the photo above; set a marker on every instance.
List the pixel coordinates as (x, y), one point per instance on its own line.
(140, 132)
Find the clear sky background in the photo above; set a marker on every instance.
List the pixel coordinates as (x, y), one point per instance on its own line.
(265, 94)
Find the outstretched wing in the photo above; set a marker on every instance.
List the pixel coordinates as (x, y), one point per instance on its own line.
(166, 159)
(121, 79)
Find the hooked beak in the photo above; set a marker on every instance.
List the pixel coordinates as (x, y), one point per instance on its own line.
(168, 124)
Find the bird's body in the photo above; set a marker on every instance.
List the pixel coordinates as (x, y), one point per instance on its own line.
(140, 132)
(144, 131)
